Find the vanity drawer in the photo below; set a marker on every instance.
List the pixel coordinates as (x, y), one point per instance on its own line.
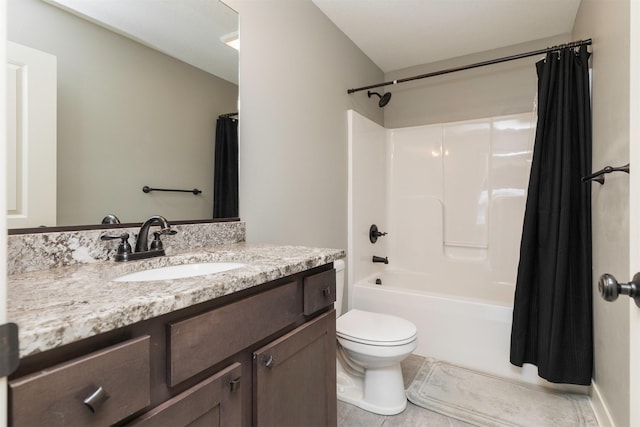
(319, 291)
(199, 342)
(55, 396)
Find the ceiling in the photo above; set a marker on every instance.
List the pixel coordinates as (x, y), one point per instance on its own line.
(189, 30)
(394, 34)
(397, 34)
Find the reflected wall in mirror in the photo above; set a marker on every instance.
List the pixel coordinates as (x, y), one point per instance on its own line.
(127, 116)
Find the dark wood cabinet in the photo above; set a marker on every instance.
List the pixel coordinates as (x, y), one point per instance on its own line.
(263, 356)
(294, 377)
(212, 402)
(201, 341)
(117, 377)
(319, 291)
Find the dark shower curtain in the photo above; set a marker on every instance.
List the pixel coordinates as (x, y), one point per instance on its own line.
(552, 314)
(225, 171)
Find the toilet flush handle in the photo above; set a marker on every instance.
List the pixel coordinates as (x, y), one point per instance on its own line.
(609, 288)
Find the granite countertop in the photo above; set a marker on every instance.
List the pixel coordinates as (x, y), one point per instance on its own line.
(63, 305)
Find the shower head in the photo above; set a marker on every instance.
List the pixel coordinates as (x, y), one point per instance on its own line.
(384, 99)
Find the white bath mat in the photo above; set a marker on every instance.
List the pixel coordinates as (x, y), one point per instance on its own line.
(485, 400)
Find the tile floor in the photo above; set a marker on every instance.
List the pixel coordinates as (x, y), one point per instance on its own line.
(413, 416)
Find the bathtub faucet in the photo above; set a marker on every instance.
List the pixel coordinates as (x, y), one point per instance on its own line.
(374, 233)
(384, 260)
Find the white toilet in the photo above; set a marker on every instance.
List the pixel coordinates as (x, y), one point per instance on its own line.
(370, 349)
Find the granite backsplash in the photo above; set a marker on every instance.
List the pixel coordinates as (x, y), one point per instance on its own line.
(43, 251)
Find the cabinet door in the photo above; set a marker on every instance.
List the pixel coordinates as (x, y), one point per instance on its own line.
(295, 377)
(213, 402)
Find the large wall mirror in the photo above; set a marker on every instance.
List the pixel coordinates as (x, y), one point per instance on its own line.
(139, 91)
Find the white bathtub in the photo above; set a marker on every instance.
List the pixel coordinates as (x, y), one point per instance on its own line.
(464, 331)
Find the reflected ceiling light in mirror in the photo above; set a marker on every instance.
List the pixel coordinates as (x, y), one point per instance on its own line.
(231, 40)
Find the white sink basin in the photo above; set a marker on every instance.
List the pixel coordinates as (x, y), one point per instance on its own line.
(178, 271)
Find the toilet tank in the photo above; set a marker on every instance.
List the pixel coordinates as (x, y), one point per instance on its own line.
(338, 265)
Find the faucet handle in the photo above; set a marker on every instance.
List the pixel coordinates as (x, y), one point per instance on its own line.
(124, 237)
(374, 233)
(124, 247)
(156, 244)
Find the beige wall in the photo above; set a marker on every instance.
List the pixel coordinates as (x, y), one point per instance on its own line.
(494, 90)
(128, 116)
(295, 69)
(607, 23)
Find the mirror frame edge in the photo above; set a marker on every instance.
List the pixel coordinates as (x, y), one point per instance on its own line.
(68, 228)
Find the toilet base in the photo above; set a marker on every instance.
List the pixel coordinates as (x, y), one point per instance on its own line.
(380, 391)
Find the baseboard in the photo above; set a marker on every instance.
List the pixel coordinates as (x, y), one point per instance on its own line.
(600, 408)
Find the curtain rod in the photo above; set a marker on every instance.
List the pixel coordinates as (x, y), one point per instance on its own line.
(477, 64)
(227, 115)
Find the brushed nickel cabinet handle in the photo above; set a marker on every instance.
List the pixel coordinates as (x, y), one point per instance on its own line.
(96, 399)
(269, 361)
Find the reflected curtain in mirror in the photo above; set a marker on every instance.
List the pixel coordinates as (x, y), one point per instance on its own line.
(225, 172)
(552, 315)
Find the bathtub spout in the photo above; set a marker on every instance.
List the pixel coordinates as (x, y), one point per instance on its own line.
(384, 260)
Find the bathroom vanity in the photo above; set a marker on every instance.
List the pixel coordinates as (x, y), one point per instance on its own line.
(250, 346)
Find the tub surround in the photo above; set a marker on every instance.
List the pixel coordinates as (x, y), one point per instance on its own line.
(78, 299)
(451, 195)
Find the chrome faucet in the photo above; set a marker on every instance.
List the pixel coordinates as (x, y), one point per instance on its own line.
(142, 244)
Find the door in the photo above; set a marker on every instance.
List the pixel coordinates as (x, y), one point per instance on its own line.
(295, 377)
(31, 137)
(634, 207)
(3, 192)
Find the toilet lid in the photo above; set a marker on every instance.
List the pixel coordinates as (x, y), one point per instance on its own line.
(375, 328)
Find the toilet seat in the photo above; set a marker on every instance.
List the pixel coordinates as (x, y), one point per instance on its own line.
(375, 329)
